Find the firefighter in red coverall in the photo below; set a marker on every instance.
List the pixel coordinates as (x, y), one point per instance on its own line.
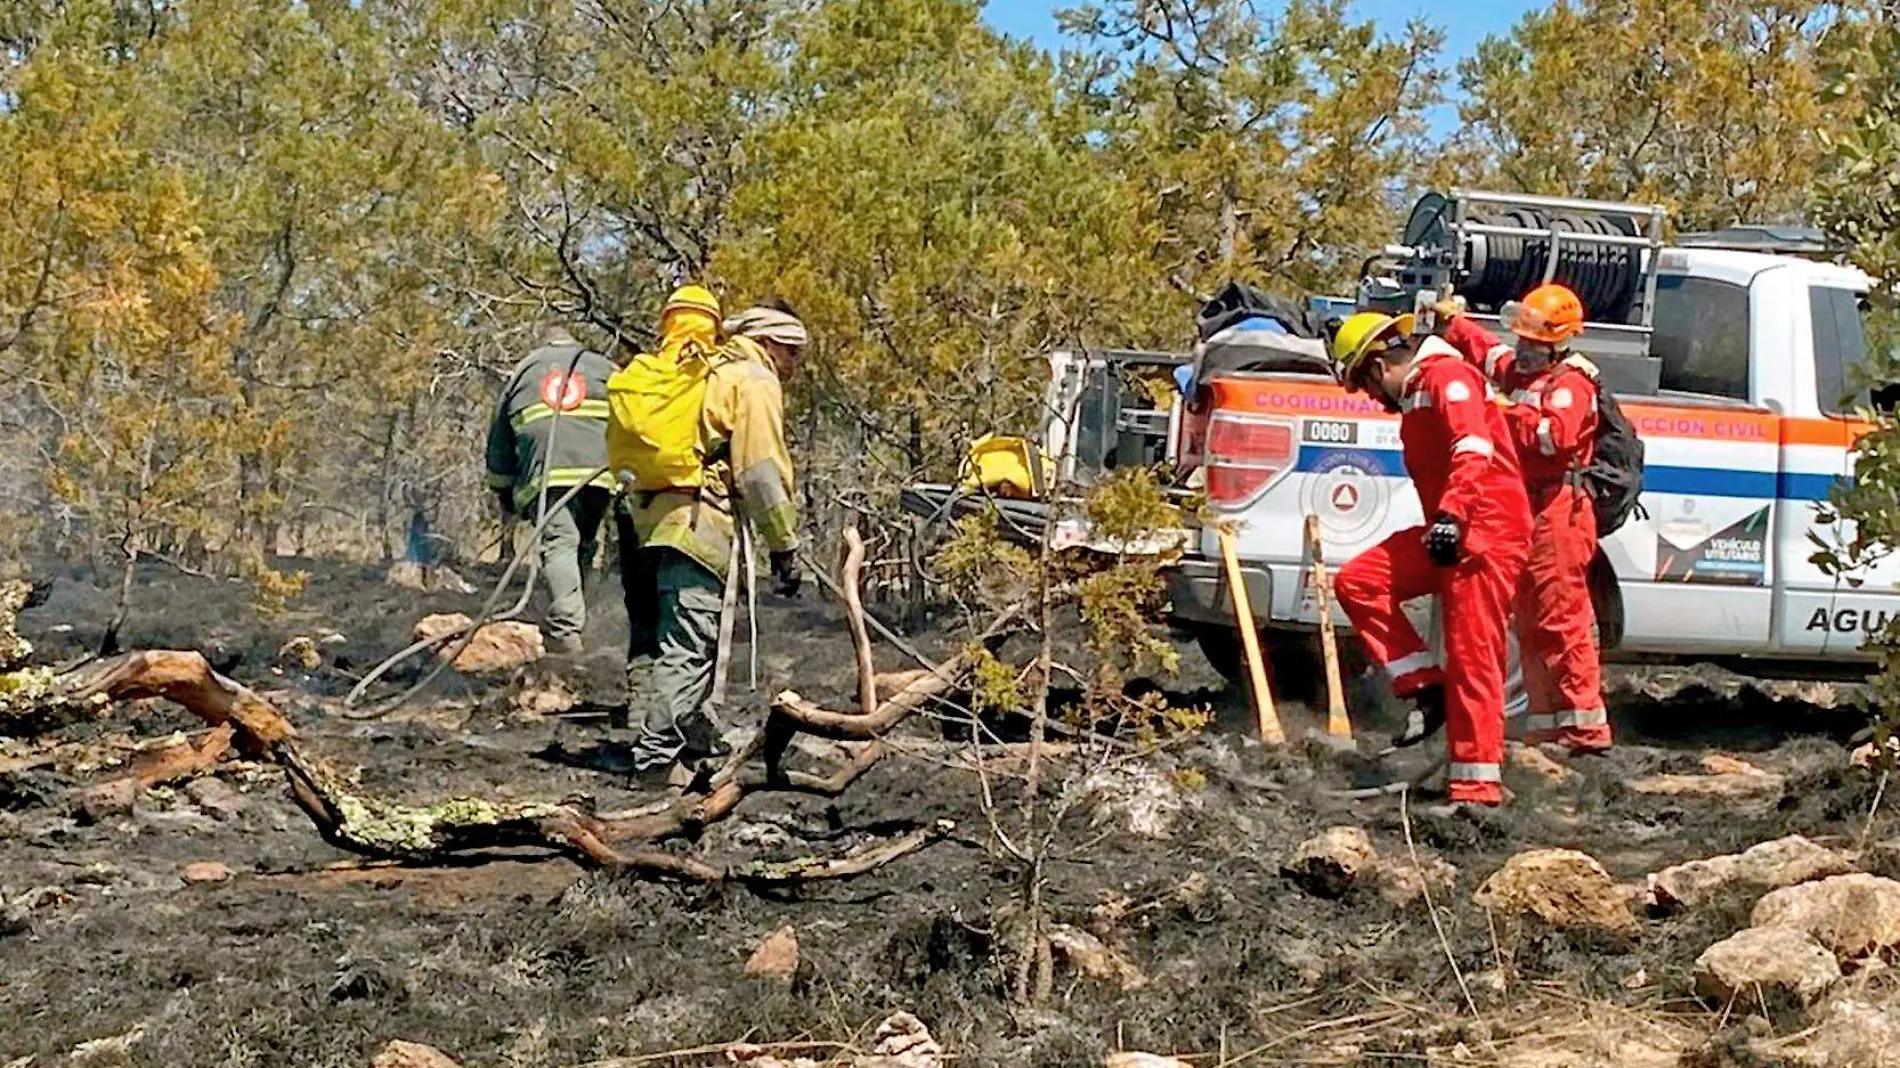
(1459, 455)
(1553, 420)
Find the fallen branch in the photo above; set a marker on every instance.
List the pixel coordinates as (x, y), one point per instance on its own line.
(851, 570)
(161, 767)
(185, 679)
(806, 869)
(858, 726)
(425, 834)
(791, 714)
(182, 761)
(32, 703)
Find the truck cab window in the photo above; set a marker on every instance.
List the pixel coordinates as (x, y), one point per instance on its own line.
(1840, 349)
(1701, 336)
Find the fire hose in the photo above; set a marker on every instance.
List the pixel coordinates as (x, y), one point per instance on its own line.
(463, 636)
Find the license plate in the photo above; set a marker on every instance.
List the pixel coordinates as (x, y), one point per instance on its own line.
(1330, 432)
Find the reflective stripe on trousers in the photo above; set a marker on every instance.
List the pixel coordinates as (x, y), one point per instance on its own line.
(1415, 662)
(1476, 772)
(1474, 599)
(1556, 621)
(1551, 721)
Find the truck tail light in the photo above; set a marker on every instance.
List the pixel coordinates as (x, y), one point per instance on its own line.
(1244, 454)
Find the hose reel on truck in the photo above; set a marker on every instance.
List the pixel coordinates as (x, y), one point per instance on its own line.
(1492, 248)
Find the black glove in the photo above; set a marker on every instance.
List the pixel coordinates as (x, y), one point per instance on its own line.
(1445, 541)
(787, 579)
(506, 498)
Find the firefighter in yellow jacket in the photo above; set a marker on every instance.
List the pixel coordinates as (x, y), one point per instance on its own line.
(677, 543)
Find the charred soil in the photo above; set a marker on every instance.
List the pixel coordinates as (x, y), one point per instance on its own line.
(1172, 864)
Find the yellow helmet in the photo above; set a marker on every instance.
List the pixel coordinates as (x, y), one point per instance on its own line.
(692, 298)
(1361, 334)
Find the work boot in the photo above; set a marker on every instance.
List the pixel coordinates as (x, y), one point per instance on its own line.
(1570, 747)
(1426, 718)
(1471, 811)
(567, 647)
(651, 776)
(703, 740)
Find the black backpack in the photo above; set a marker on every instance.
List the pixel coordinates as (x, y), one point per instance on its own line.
(1614, 478)
(1237, 302)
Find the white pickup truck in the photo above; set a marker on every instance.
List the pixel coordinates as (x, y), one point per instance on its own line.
(1739, 370)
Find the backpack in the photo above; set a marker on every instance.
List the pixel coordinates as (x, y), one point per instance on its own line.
(654, 402)
(1614, 477)
(1236, 303)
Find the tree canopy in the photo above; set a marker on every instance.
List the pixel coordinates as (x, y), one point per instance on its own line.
(265, 261)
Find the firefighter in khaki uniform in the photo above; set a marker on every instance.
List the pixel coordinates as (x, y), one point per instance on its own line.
(678, 539)
(529, 446)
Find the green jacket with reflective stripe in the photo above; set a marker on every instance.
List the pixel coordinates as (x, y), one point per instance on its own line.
(523, 438)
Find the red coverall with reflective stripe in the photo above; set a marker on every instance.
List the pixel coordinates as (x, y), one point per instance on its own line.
(1553, 422)
(1458, 452)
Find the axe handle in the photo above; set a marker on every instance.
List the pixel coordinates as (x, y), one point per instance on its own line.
(1264, 711)
(1338, 724)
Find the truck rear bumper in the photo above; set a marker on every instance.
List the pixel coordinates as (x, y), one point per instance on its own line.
(1198, 587)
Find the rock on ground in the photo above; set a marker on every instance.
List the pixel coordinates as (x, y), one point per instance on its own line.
(408, 575)
(1332, 862)
(1772, 865)
(1562, 887)
(1137, 796)
(301, 653)
(216, 797)
(776, 958)
(1090, 956)
(1726, 778)
(1529, 758)
(1851, 915)
(496, 646)
(1853, 1030)
(1767, 960)
(401, 1054)
(1143, 1060)
(102, 801)
(205, 871)
(1401, 882)
(15, 918)
(551, 699)
(902, 1041)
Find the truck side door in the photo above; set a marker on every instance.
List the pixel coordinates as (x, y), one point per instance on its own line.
(1811, 452)
(1861, 604)
(1697, 573)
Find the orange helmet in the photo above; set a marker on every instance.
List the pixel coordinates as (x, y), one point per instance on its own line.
(1550, 313)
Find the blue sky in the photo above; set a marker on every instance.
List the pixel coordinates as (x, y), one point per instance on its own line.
(1035, 19)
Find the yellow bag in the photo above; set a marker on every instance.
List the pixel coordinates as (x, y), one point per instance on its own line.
(1006, 467)
(655, 403)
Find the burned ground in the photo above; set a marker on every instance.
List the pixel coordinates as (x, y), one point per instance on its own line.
(1173, 862)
